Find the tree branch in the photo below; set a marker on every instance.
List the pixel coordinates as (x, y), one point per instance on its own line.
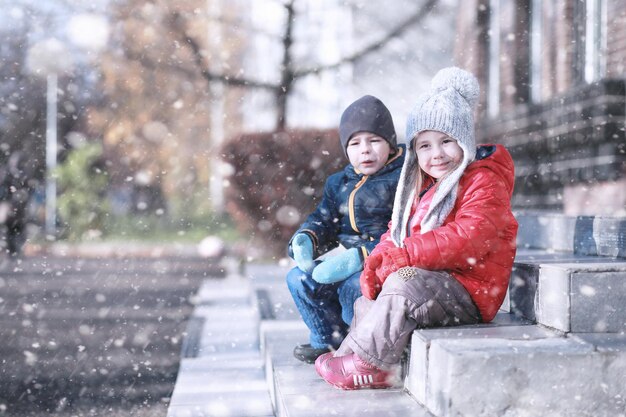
(178, 25)
(407, 23)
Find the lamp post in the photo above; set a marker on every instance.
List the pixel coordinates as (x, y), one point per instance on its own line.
(51, 154)
(49, 58)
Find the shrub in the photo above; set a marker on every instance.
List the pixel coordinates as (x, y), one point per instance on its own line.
(278, 180)
(82, 201)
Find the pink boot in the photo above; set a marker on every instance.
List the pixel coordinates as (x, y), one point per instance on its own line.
(321, 359)
(351, 372)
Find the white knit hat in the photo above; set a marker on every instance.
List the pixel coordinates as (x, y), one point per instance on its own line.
(449, 108)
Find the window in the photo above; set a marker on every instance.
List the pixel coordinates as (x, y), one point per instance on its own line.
(595, 40)
(493, 87)
(536, 62)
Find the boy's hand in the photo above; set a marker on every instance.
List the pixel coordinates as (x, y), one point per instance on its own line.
(302, 248)
(339, 267)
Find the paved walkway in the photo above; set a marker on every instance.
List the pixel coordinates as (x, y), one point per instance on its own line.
(94, 337)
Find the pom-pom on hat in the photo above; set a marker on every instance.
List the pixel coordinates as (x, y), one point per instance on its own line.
(447, 107)
(367, 114)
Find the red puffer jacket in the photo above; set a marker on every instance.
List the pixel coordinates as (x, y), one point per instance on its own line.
(476, 242)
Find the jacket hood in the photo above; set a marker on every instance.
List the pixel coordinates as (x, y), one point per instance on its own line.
(497, 159)
(493, 157)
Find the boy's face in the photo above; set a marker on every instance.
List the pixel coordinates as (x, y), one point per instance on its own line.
(368, 152)
(437, 153)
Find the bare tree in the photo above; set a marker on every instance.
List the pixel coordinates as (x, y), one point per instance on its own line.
(154, 119)
(290, 69)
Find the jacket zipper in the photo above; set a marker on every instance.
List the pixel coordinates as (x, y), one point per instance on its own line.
(351, 203)
(421, 194)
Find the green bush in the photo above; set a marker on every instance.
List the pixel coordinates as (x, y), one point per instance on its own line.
(278, 180)
(84, 209)
(82, 203)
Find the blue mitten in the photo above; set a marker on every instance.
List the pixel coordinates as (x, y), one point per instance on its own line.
(338, 267)
(302, 248)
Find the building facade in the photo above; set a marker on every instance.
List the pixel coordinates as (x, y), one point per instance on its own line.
(553, 74)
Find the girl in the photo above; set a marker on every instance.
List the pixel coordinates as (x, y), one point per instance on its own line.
(447, 257)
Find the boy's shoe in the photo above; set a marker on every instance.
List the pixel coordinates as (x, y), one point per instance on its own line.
(351, 372)
(307, 353)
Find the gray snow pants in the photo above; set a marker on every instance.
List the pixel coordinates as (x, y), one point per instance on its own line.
(410, 298)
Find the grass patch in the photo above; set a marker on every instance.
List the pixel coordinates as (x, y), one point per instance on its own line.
(152, 228)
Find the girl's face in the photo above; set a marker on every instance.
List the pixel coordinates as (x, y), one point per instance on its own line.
(368, 152)
(437, 153)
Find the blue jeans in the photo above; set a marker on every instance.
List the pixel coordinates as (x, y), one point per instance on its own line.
(327, 310)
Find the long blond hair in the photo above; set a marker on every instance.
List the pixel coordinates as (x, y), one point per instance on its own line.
(410, 184)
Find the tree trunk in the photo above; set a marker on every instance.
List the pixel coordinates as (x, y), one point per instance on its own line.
(287, 76)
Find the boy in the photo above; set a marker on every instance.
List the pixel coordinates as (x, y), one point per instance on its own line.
(353, 212)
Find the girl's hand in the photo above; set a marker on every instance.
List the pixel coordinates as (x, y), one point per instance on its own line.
(378, 266)
(391, 260)
(395, 258)
(370, 285)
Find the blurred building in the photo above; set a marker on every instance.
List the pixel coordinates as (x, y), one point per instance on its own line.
(553, 76)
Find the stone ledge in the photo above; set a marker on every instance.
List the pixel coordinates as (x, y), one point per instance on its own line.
(216, 386)
(504, 326)
(302, 393)
(277, 342)
(544, 377)
(571, 297)
(582, 235)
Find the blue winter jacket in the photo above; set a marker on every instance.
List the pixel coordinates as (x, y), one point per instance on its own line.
(355, 209)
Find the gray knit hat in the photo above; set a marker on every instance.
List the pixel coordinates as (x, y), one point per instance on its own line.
(367, 114)
(449, 108)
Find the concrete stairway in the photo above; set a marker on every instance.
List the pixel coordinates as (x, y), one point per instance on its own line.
(221, 371)
(572, 362)
(557, 348)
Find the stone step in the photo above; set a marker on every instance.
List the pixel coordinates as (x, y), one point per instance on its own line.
(570, 293)
(274, 299)
(582, 235)
(277, 342)
(534, 376)
(503, 326)
(298, 391)
(221, 385)
(222, 370)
